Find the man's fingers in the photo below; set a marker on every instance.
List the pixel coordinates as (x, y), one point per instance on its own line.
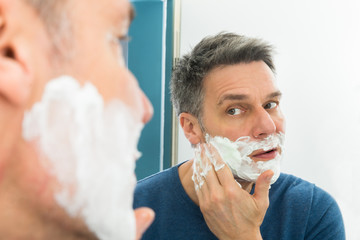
(205, 172)
(144, 217)
(261, 193)
(223, 172)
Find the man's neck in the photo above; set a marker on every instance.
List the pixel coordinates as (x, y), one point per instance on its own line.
(185, 174)
(19, 222)
(27, 216)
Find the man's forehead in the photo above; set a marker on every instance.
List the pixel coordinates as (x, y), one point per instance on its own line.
(123, 10)
(116, 11)
(241, 81)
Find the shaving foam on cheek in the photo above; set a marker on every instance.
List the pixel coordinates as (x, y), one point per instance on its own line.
(236, 156)
(91, 149)
(201, 166)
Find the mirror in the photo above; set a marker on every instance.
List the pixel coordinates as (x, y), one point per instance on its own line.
(317, 61)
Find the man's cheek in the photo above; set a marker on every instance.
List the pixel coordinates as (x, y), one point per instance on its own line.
(90, 148)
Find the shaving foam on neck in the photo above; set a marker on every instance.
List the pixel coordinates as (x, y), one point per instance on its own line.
(91, 149)
(236, 156)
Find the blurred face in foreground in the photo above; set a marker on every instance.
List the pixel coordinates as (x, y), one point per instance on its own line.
(69, 127)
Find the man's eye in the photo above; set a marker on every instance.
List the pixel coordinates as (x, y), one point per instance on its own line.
(271, 105)
(123, 45)
(234, 111)
(124, 40)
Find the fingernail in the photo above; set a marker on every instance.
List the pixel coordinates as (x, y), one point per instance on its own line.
(268, 178)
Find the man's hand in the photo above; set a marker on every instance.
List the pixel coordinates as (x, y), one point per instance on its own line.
(144, 217)
(229, 211)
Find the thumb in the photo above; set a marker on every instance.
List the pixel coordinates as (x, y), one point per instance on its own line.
(261, 193)
(144, 217)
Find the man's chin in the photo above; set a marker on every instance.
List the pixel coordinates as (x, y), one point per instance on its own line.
(246, 185)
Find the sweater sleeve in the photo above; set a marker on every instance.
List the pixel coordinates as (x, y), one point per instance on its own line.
(325, 219)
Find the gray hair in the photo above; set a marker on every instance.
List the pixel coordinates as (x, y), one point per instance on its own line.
(186, 84)
(55, 16)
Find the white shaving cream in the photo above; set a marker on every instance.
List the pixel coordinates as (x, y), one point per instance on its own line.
(91, 150)
(236, 156)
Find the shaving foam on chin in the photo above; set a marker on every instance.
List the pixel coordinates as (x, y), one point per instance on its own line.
(236, 156)
(91, 150)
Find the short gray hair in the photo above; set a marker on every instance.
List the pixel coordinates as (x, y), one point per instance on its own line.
(223, 49)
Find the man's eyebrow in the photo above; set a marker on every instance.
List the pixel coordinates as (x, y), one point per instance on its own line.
(276, 94)
(241, 97)
(131, 13)
(232, 97)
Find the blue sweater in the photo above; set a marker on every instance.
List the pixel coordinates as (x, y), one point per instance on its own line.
(298, 210)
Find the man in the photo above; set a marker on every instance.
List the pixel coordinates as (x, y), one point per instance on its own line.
(227, 101)
(68, 131)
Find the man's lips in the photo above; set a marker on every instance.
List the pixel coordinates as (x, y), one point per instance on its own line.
(265, 155)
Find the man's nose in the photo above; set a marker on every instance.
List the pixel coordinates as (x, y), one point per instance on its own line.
(264, 124)
(148, 108)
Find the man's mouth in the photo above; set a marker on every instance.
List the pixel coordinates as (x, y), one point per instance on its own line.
(261, 155)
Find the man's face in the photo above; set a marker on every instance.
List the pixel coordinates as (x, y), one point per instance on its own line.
(242, 100)
(98, 27)
(94, 57)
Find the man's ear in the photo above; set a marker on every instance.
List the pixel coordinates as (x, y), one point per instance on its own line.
(191, 128)
(15, 79)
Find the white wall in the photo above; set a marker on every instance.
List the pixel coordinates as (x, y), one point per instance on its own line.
(318, 65)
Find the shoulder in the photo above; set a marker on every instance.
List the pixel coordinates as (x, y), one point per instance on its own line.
(157, 180)
(291, 181)
(291, 189)
(309, 203)
(300, 193)
(157, 177)
(156, 187)
(297, 189)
